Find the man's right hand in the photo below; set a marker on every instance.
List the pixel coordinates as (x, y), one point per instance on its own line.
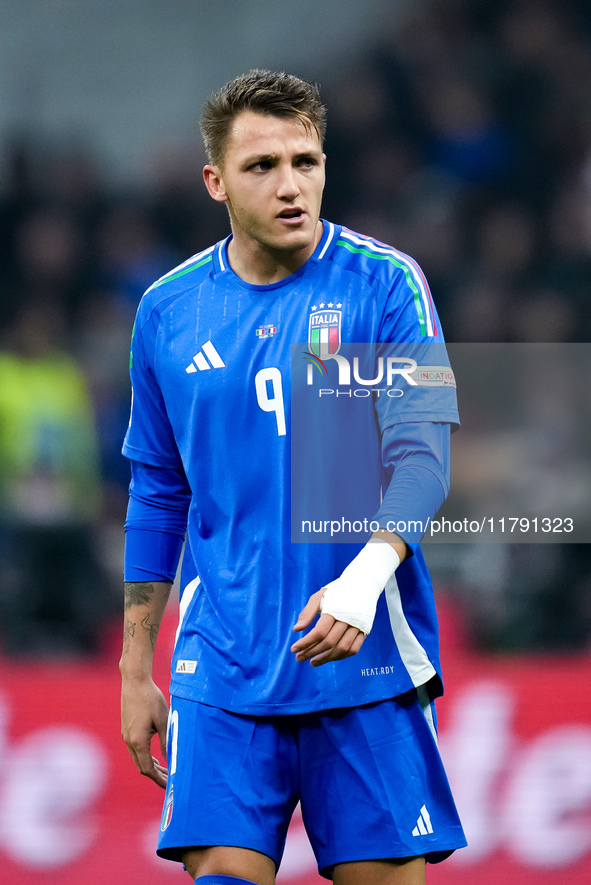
(144, 713)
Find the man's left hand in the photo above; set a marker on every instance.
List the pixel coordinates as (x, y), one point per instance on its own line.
(329, 640)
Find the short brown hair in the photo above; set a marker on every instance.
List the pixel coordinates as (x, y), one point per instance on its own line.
(265, 92)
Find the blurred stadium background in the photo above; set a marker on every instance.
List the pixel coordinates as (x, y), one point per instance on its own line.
(460, 132)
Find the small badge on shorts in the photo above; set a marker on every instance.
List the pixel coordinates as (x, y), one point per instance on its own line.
(167, 813)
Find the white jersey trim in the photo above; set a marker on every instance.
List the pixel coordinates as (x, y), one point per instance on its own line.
(370, 244)
(414, 657)
(186, 599)
(328, 240)
(221, 254)
(192, 260)
(425, 702)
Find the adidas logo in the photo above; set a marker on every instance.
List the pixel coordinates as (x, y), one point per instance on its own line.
(200, 362)
(423, 823)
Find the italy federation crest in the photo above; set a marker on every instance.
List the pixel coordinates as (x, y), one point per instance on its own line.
(324, 330)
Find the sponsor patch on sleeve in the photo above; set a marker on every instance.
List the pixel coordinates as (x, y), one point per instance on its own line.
(434, 376)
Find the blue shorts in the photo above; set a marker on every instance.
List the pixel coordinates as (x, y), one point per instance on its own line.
(370, 781)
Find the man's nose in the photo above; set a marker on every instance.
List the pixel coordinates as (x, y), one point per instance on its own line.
(288, 188)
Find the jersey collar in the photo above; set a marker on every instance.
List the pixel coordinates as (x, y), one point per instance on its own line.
(327, 242)
(323, 250)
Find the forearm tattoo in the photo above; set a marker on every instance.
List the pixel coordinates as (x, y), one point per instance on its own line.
(152, 629)
(139, 594)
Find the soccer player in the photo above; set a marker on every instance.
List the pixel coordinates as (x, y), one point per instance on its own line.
(341, 718)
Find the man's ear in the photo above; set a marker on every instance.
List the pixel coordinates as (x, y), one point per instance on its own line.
(214, 182)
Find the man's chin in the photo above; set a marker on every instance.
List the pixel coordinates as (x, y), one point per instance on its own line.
(294, 244)
(296, 240)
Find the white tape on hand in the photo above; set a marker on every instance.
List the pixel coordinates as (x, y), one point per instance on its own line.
(353, 597)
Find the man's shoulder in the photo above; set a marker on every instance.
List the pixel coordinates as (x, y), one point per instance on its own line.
(372, 258)
(177, 281)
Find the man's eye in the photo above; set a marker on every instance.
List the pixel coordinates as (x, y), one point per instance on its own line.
(307, 162)
(263, 166)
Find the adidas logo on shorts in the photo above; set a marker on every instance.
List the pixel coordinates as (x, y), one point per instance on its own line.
(424, 825)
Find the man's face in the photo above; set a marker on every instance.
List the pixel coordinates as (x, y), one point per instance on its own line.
(272, 179)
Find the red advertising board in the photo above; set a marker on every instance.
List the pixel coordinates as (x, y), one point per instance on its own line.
(515, 735)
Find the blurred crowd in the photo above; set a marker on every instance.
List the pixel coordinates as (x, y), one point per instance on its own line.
(461, 136)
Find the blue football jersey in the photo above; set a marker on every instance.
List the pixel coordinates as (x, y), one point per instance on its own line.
(213, 363)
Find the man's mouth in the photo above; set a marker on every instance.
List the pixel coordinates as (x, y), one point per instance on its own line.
(292, 214)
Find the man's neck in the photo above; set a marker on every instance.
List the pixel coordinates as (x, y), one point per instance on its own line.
(260, 265)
